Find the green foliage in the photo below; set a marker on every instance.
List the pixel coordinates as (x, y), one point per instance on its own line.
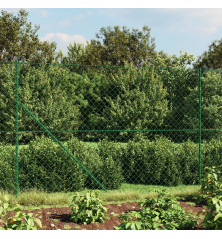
(212, 57)
(20, 221)
(47, 92)
(141, 103)
(7, 99)
(212, 192)
(210, 107)
(212, 182)
(7, 167)
(45, 165)
(160, 162)
(19, 40)
(212, 151)
(161, 213)
(76, 54)
(44, 93)
(87, 208)
(110, 173)
(116, 46)
(162, 60)
(178, 82)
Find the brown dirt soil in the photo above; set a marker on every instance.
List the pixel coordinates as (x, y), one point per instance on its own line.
(60, 218)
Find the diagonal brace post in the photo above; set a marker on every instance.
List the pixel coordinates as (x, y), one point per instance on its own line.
(63, 147)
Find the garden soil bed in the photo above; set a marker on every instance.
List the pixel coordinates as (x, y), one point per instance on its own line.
(60, 218)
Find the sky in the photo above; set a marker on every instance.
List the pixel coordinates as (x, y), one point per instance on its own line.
(190, 29)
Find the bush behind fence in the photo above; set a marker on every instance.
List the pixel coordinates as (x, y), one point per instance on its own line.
(149, 125)
(43, 164)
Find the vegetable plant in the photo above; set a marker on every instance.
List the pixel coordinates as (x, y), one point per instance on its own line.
(212, 190)
(161, 213)
(87, 208)
(21, 220)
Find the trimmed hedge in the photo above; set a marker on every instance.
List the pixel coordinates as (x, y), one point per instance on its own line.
(7, 168)
(103, 168)
(45, 165)
(110, 173)
(158, 162)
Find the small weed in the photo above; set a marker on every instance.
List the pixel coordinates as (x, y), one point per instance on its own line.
(77, 227)
(67, 227)
(55, 220)
(191, 204)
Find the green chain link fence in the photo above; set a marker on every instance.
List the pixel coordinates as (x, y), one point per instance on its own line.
(70, 127)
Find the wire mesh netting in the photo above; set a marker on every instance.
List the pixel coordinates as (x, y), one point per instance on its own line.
(70, 127)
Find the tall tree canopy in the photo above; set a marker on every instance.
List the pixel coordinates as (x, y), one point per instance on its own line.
(211, 58)
(19, 40)
(116, 46)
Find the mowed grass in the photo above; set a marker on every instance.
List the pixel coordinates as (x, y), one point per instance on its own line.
(126, 193)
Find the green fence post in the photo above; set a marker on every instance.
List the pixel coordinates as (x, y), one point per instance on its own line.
(200, 164)
(17, 128)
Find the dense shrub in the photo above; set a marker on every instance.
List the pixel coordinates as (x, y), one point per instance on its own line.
(153, 162)
(141, 103)
(47, 92)
(112, 99)
(159, 162)
(178, 82)
(189, 162)
(7, 168)
(211, 110)
(212, 153)
(45, 165)
(110, 172)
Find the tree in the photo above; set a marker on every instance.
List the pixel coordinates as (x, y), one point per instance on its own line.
(211, 58)
(162, 60)
(47, 92)
(116, 46)
(211, 107)
(76, 54)
(19, 40)
(140, 105)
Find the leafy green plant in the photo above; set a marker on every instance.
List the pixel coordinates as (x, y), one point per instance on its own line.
(211, 185)
(212, 191)
(161, 213)
(20, 221)
(87, 208)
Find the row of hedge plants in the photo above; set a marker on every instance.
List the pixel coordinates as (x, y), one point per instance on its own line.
(43, 164)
